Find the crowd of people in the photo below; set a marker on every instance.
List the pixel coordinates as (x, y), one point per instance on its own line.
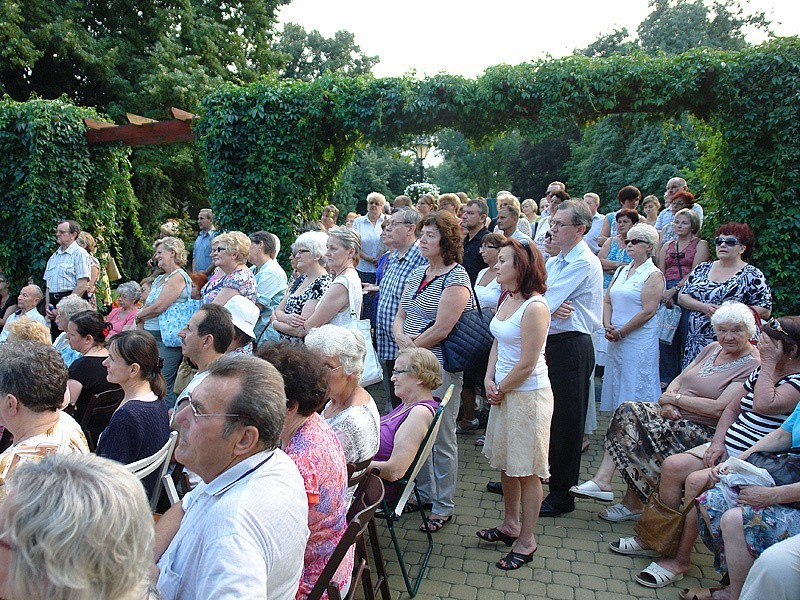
(261, 372)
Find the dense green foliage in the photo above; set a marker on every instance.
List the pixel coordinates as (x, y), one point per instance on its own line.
(373, 169)
(49, 173)
(279, 145)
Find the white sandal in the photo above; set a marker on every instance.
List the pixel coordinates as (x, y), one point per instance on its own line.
(591, 491)
(630, 547)
(617, 513)
(656, 576)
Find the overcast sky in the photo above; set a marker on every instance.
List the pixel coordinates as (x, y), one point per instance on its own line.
(464, 37)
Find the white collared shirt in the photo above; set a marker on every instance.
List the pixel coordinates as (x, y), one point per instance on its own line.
(577, 277)
(243, 535)
(371, 243)
(65, 267)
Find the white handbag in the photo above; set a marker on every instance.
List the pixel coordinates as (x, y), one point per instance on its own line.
(373, 373)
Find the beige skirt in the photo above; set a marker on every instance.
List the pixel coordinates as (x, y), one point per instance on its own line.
(518, 433)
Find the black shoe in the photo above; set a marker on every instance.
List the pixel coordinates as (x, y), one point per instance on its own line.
(495, 487)
(548, 510)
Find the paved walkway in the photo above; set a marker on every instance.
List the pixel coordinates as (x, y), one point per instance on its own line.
(573, 560)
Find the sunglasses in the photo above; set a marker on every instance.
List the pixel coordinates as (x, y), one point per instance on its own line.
(775, 325)
(726, 241)
(634, 241)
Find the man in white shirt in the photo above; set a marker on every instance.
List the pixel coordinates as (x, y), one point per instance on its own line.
(574, 287)
(592, 201)
(27, 301)
(242, 532)
(67, 271)
(507, 219)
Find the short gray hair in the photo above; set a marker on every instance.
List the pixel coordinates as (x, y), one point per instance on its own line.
(72, 305)
(409, 215)
(648, 233)
(34, 374)
(347, 237)
(580, 213)
(346, 345)
(261, 401)
(130, 289)
(315, 242)
(82, 529)
(735, 312)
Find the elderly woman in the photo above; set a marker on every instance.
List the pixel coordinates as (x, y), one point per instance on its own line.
(306, 291)
(342, 300)
(416, 374)
(629, 310)
(229, 252)
(350, 219)
(767, 398)
(330, 214)
(28, 329)
(651, 205)
(530, 210)
(140, 426)
(680, 201)
(75, 527)
(613, 254)
(87, 333)
(124, 317)
(518, 389)
(372, 248)
(173, 286)
(642, 434)
(312, 444)
(350, 410)
(426, 204)
(729, 278)
(68, 306)
(435, 297)
(676, 259)
(628, 198)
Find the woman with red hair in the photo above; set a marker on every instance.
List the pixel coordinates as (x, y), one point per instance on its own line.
(729, 278)
(518, 432)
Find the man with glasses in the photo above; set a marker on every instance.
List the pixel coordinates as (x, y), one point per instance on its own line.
(666, 216)
(242, 532)
(204, 340)
(401, 235)
(552, 189)
(575, 296)
(473, 221)
(67, 271)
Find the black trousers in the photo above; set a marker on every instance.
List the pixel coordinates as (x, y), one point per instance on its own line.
(570, 361)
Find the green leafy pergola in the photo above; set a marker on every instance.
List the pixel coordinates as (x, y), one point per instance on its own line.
(274, 150)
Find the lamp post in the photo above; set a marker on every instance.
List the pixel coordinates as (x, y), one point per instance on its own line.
(421, 148)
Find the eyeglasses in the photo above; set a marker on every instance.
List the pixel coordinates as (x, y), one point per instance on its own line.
(390, 224)
(374, 203)
(219, 249)
(332, 369)
(678, 255)
(559, 224)
(726, 241)
(299, 252)
(400, 371)
(485, 246)
(634, 241)
(197, 415)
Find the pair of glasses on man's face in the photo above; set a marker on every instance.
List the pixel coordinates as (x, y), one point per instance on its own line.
(730, 242)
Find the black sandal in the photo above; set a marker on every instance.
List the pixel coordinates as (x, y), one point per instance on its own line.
(514, 560)
(434, 524)
(495, 535)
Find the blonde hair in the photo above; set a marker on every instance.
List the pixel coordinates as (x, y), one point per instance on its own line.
(423, 365)
(174, 245)
(25, 328)
(237, 242)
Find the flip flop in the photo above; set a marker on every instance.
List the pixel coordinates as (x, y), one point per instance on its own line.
(656, 576)
(495, 535)
(699, 593)
(514, 560)
(434, 524)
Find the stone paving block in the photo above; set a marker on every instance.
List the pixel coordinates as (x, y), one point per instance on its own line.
(506, 584)
(557, 564)
(582, 594)
(463, 592)
(569, 579)
(451, 576)
(592, 582)
(479, 580)
(566, 554)
(560, 592)
(490, 594)
(583, 567)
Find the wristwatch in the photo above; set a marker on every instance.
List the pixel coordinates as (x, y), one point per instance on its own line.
(677, 399)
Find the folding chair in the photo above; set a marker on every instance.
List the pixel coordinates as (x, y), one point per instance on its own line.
(160, 460)
(357, 472)
(367, 499)
(394, 511)
(104, 403)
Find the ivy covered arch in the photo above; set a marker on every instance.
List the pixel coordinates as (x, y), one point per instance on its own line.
(275, 149)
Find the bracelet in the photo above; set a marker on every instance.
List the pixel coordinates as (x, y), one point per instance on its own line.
(678, 399)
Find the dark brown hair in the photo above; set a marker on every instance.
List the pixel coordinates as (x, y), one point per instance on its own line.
(305, 376)
(140, 347)
(452, 243)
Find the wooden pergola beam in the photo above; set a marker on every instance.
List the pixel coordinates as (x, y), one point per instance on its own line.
(159, 132)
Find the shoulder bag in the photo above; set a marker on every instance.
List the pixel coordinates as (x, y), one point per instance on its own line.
(177, 315)
(373, 373)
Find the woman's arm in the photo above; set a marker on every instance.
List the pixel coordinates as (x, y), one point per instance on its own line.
(609, 266)
(224, 295)
(774, 441)
(488, 381)
(686, 301)
(334, 301)
(605, 232)
(407, 440)
(764, 313)
(452, 303)
(293, 325)
(74, 387)
(701, 255)
(768, 399)
(172, 289)
(707, 407)
(533, 333)
(403, 340)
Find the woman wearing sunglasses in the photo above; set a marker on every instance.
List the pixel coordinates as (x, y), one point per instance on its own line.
(730, 277)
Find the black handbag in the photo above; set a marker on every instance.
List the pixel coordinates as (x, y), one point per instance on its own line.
(783, 466)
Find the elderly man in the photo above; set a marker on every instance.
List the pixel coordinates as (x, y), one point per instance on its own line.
(33, 381)
(27, 301)
(201, 253)
(242, 532)
(507, 220)
(592, 201)
(575, 295)
(665, 217)
(68, 270)
(540, 238)
(401, 233)
(206, 337)
(473, 221)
